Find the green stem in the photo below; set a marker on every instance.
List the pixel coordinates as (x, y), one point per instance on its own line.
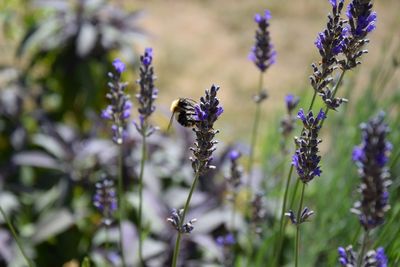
(296, 187)
(144, 152)
(286, 194)
(312, 101)
(253, 141)
(185, 210)
(334, 91)
(395, 159)
(254, 135)
(107, 238)
(356, 234)
(297, 247)
(364, 246)
(14, 233)
(281, 226)
(121, 203)
(233, 213)
(281, 230)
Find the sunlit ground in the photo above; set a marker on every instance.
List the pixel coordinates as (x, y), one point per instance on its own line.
(198, 43)
(202, 42)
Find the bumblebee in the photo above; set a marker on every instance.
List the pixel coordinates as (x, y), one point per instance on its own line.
(183, 110)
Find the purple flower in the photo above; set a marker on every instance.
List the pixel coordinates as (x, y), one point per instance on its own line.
(361, 21)
(291, 102)
(147, 57)
(320, 40)
(358, 154)
(371, 157)
(234, 155)
(262, 53)
(119, 66)
(118, 111)
(147, 94)
(107, 113)
(234, 179)
(301, 115)
(206, 113)
(220, 110)
(381, 258)
(347, 256)
(306, 159)
(200, 114)
(105, 200)
(227, 240)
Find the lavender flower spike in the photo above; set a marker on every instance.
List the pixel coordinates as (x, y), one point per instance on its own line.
(234, 180)
(147, 94)
(371, 157)
(119, 66)
(263, 54)
(362, 21)
(381, 258)
(330, 43)
(306, 158)
(347, 257)
(207, 112)
(105, 200)
(291, 102)
(119, 109)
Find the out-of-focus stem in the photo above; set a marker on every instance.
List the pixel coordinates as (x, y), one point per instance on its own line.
(121, 203)
(254, 132)
(285, 196)
(364, 246)
(297, 246)
(14, 233)
(253, 142)
(144, 152)
(185, 210)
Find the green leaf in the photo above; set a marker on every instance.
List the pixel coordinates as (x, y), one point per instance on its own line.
(86, 262)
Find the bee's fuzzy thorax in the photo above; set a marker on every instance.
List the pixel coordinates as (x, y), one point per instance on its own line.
(174, 105)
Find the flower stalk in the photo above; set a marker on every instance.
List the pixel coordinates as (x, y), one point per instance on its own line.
(146, 97)
(118, 112)
(207, 112)
(263, 56)
(16, 238)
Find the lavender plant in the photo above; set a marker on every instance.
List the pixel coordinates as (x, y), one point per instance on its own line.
(234, 180)
(263, 56)
(118, 112)
(371, 157)
(207, 111)
(146, 97)
(287, 123)
(258, 213)
(373, 258)
(105, 200)
(331, 43)
(226, 242)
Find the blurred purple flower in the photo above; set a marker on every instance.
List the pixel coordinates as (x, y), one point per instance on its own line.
(119, 66)
(263, 54)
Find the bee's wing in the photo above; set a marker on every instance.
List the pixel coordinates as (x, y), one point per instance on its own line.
(193, 102)
(170, 121)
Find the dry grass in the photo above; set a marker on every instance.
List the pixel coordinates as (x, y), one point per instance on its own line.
(202, 42)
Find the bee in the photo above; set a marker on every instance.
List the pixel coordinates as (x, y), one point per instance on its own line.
(183, 110)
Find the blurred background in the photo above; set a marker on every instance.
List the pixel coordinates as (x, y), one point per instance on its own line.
(197, 43)
(54, 56)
